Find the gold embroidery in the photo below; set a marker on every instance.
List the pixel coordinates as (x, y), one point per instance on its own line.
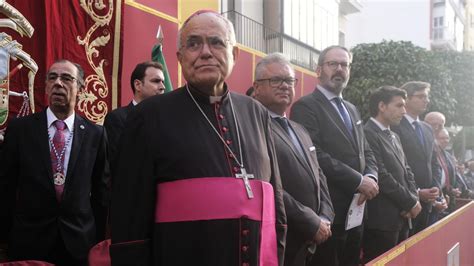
(91, 100)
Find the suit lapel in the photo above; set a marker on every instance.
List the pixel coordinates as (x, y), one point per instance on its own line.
(387, 142)
(306, 152)
(410, 132)
(43, 143)
(280, 132)
(428, 141)
(79, 129)
(353, 115)
(333, 115)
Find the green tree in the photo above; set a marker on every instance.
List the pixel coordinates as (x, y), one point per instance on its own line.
(394, 63)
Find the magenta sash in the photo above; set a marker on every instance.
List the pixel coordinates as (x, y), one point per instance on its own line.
(214, 198)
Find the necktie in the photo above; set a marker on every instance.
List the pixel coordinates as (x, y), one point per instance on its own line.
(286, 126)
(391, 137)
(419, 133)
(444, 166)
(58, 150)
(344, 114)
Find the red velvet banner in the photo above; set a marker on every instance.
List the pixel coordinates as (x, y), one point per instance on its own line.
(87, 32)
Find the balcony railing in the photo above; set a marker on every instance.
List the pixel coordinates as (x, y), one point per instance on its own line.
(256, 36)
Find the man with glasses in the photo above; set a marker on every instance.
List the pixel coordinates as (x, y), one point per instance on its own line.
(198, 181)
(307, 201)
(146, 81)
(418, 143)
(343, 153)
(55, 183)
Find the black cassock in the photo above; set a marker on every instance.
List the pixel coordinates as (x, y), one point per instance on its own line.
(167, 138)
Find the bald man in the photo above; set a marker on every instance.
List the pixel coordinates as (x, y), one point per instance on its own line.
(436, 120)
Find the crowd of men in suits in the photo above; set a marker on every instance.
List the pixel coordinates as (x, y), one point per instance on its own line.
(322, 161)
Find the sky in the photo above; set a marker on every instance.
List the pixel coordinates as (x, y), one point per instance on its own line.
(398, 20)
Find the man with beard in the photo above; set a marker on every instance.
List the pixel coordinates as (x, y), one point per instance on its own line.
(418, 145)
(307, 201)
(198, 180)
(343, 153)
(390, 213)
(55, 183)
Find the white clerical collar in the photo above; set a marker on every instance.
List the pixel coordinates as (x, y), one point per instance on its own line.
(215, 99)
(134, 102)
(328, 94)
(51, 117)
(382, 127)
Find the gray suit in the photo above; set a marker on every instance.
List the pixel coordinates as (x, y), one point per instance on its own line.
(306, 193)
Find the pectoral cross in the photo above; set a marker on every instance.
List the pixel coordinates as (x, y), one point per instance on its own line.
(245, 177)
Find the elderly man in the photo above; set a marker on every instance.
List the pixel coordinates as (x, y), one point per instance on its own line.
(417, 139)
(55, 183)
(397, 202)
(436, 120)
(344, 155)
(448, 181)
(307, 201)
(146, 80)
(201, 187)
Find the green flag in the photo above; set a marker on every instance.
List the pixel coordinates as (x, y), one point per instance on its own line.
(157, 56)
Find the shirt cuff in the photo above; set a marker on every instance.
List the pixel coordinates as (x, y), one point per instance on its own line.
(373, 177)
(325, 219)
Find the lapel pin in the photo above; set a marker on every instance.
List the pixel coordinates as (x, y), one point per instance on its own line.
(312, 148)
(81, 126)
(359, 122)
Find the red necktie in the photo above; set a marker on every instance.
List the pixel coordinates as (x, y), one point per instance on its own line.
(57, 157)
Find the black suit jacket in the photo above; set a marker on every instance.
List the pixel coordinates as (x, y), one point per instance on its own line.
(306, 194)
(114, 124)
(396, 183)
(422, 160)
(34, 218)
(342, 158)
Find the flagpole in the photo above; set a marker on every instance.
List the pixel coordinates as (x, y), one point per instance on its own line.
(158, 56)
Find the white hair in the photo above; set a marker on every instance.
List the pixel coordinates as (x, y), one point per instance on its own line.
(270, 59)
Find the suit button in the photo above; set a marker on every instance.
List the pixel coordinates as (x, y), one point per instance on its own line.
(228, 142)
(236, 169)
(245, 232)
(245, 248)
(225, 129)
(221, 116)
(245, 264)
(231, 156)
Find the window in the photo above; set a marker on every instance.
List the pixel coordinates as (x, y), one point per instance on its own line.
(324, 29)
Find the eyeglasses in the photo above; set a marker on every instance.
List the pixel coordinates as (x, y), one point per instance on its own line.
(195, 43)
(277, 82)
(65, 78)
(333, 65)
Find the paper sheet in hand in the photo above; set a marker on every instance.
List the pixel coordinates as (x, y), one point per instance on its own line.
(356, 213)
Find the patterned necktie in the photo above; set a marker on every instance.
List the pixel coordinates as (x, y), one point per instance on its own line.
(286, 126)
(344, 114)
(419, 133)
(57, 155)
(391, 137)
